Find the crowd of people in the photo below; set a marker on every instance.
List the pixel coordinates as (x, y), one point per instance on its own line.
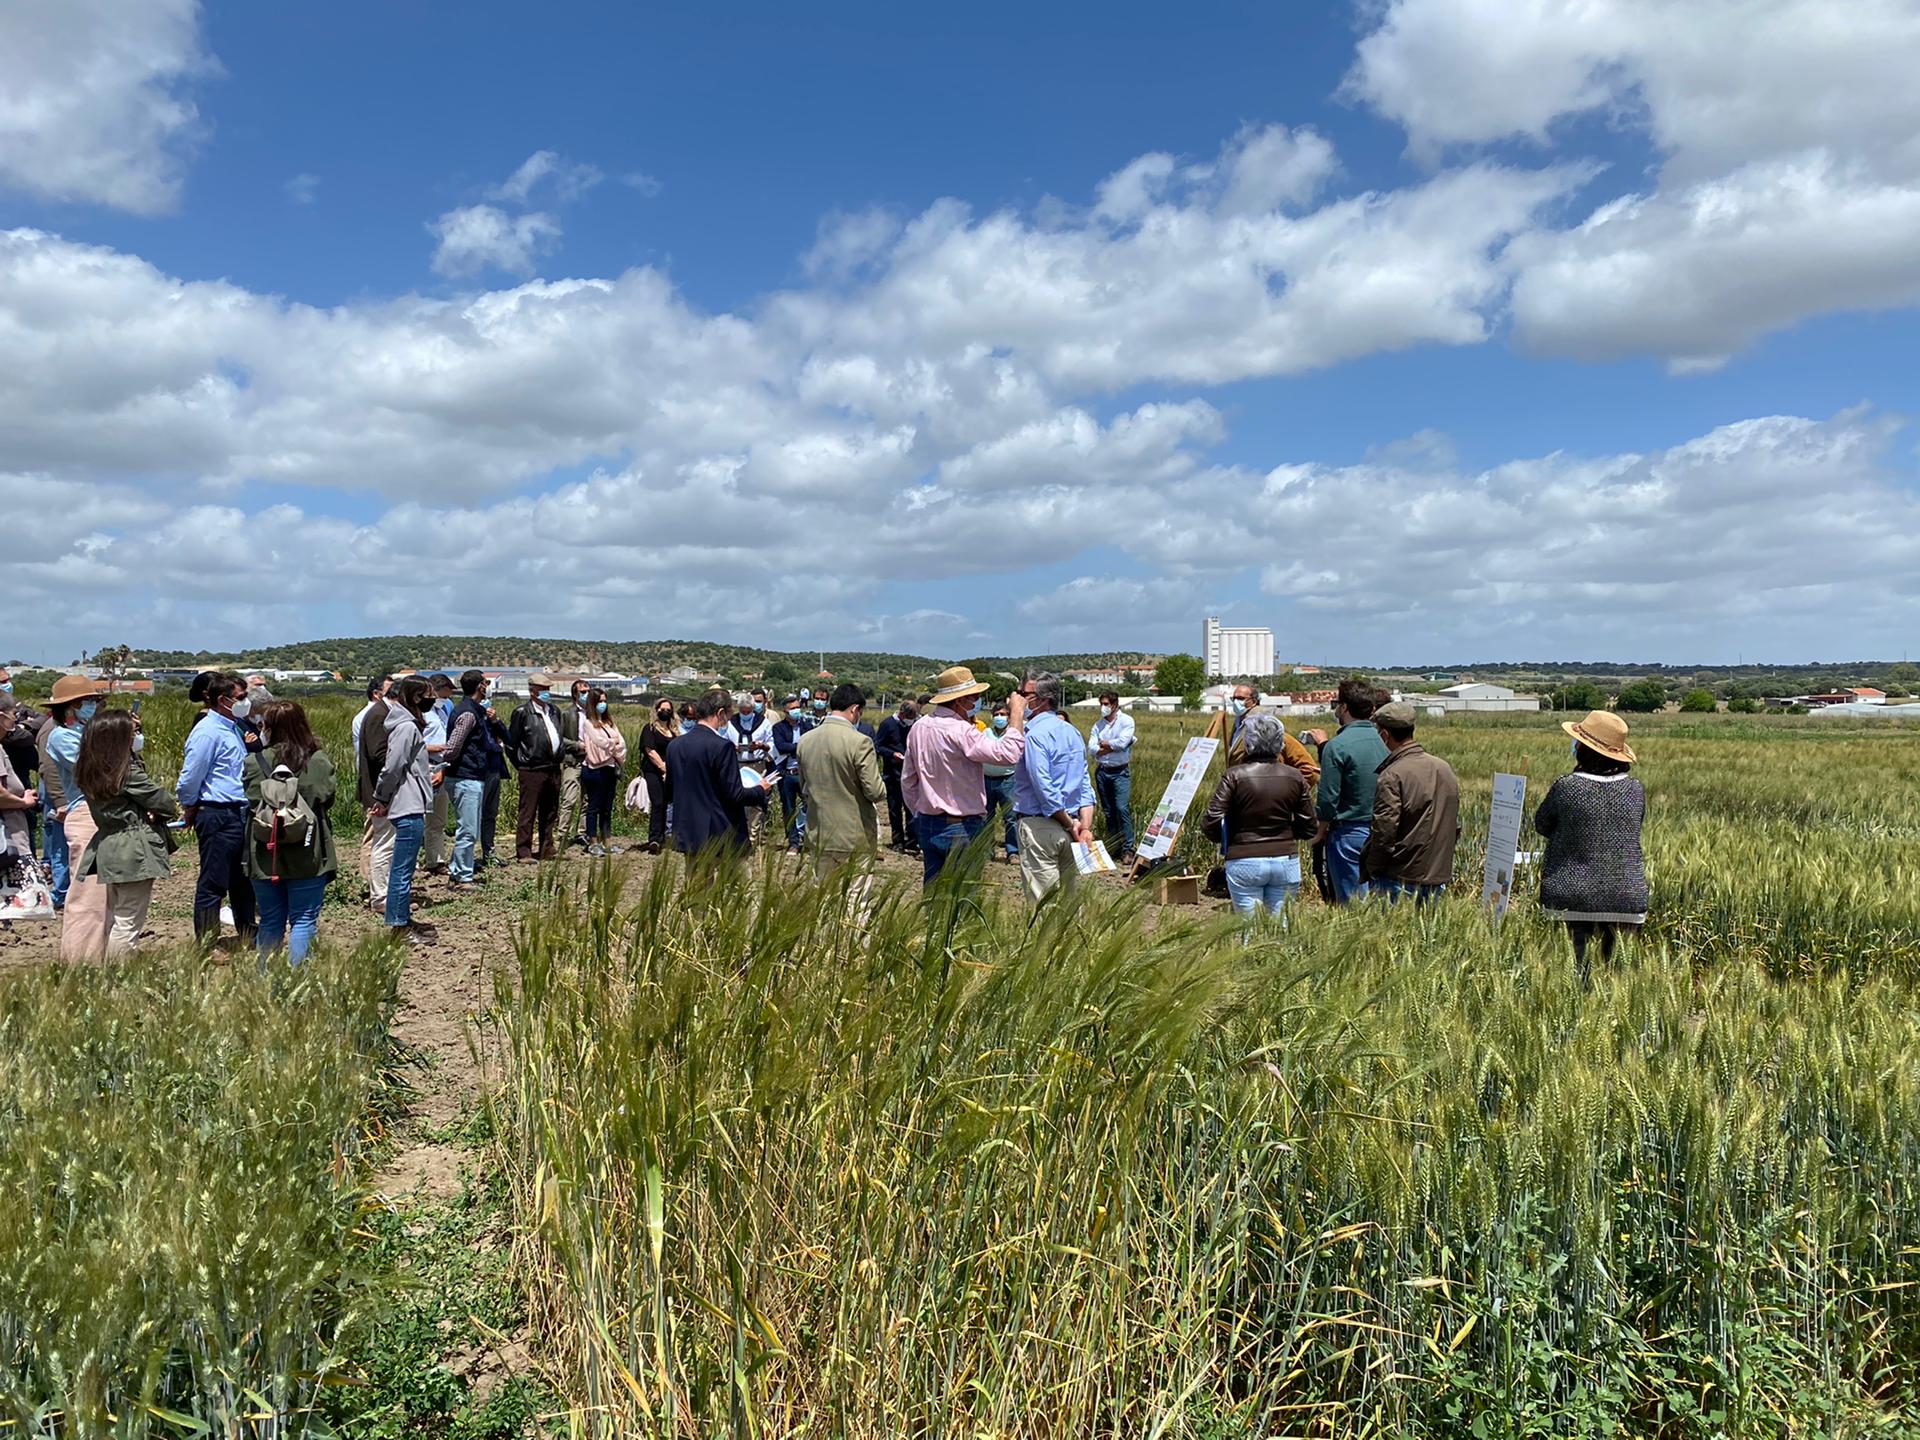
(1377, 812)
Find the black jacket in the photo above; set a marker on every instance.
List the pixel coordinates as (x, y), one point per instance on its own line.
(709, 802)
(528, 745)
(891, 741)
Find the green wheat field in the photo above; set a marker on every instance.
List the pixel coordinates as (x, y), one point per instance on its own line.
(781, 1161)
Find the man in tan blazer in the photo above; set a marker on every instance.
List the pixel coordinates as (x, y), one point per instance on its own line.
(841, 783)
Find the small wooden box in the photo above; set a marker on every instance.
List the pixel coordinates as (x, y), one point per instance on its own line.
(1178, 890)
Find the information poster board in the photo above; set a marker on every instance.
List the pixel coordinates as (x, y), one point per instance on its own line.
(1171, 813)
(1503, 840)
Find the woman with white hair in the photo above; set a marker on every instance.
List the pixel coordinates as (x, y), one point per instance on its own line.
(1259, 815)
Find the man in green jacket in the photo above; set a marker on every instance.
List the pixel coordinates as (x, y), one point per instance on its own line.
(841, 784)
(1349, 764)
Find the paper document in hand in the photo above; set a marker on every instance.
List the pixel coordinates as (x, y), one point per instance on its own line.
(1092, 859)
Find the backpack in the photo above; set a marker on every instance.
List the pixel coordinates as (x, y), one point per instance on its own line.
(283, 820)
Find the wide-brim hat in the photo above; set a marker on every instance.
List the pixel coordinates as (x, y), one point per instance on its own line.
(74, 687)
(1603, 732)
(956, 683)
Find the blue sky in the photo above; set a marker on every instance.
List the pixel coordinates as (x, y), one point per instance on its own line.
(1431, 330)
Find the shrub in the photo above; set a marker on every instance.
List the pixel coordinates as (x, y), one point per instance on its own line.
(1642, 697)
(1698, 702)
(1744, 705)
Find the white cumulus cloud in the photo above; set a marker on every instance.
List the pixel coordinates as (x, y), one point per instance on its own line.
(476, 238)
(95, 100)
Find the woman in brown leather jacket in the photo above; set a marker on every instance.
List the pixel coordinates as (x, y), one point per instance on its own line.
(1261, 813)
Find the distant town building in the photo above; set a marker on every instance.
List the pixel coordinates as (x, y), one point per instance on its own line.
(1236, 649)
(1479, 696)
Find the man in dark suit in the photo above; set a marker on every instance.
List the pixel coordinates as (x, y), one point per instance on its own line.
(890, 743)
(703, 772)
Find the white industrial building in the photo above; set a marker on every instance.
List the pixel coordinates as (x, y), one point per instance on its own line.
(1478, 696)
(1236, 649)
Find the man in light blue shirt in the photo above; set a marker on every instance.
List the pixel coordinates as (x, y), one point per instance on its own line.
(1111, 746)
(213, 800)
(1052, 796)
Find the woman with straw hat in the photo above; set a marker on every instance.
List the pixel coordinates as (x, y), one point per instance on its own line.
(1594, 876)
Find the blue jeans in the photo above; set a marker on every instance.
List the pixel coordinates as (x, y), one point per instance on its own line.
(1344, 846)
(1000, 798)
(1269, 880)
(409, 833)
(1396, 891)
(59, 861)
(468, 796)
(597, 783)
(1114, 786)
(789, 786)
(289, 901)
(942, 839)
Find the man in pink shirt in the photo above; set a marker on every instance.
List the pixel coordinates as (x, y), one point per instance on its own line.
(944, 780)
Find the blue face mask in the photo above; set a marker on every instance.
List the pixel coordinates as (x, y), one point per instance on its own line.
(87, 709)
(6, 687)
(601, 707)
(819, 706)
(759, 706)
(999, 722)
(540, 694)
(1573, 748)
(1239, 706)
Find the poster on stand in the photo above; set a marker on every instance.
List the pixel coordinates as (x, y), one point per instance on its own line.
(1171, 813)
(1503, 840)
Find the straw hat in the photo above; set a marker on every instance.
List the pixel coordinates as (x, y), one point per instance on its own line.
(1604, 732)
(956, 683)
(74, 687)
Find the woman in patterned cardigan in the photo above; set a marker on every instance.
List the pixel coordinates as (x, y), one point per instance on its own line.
(1594, 876)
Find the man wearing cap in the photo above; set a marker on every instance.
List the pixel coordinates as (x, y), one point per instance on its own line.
(944, 779)
(1416, 814)
(1052, 794)
(537, 746)
(213, 800)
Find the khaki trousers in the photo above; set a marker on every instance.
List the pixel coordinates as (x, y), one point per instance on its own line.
(573, 805)
(127, 911)
(859, 889)
(376, 857)
(1046, 856)
(86, 920)
(434, 853)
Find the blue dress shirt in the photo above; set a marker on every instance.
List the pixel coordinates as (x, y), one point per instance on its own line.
(216, 759)
(1052, 774)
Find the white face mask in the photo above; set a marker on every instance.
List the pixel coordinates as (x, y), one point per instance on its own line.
(139, 742)
(242, 709)
(1106, 712)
